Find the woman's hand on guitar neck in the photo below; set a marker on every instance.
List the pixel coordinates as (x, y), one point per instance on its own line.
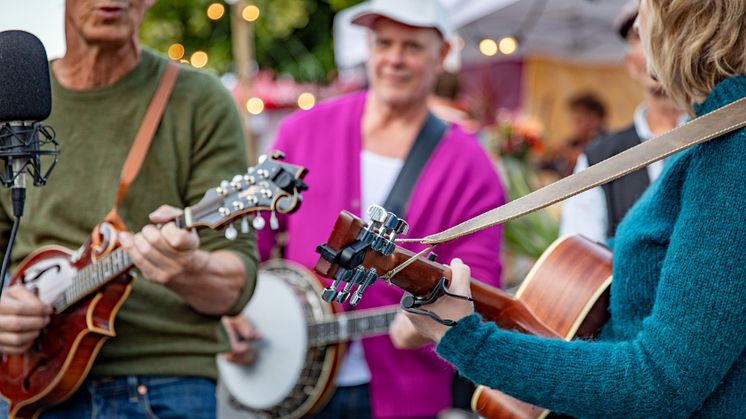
(22, 316)
(446, 307)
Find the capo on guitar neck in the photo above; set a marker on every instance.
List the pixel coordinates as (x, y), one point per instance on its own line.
(411, 304)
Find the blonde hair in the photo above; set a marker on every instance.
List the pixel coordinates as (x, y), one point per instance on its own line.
(693, 45)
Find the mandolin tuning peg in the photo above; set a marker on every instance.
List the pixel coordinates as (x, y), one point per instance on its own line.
(274, 223)
(258, 222)
(244, 225)
(230, 232)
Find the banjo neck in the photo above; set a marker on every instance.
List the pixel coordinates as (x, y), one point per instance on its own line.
(351, 325)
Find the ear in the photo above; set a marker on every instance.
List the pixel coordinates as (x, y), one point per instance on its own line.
(445, 48)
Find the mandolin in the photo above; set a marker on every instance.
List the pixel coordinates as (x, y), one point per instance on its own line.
(564, 296)
(87, 287)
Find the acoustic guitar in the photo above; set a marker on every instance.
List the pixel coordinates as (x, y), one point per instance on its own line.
(88, 286)
(564, 296)
(302, 344)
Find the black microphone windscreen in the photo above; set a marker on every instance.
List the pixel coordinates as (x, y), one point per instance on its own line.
(25, 92)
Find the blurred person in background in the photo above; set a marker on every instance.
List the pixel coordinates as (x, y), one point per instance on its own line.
(161, 363)
(354, 148)
(588, 122)
(597, 213)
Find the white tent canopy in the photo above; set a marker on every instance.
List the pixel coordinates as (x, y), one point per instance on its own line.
(580, 30)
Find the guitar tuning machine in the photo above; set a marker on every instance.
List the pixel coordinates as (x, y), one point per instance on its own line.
(357, 278)
(330, 293)
(370, 278)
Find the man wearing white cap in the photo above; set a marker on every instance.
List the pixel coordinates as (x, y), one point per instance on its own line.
(355, 148)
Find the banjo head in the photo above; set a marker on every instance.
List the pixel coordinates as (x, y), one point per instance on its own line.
(284, 302)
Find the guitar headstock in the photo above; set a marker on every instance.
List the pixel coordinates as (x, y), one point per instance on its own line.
(358, 253)
(271, 185)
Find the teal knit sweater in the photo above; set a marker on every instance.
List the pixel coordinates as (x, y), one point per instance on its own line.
(674, 346)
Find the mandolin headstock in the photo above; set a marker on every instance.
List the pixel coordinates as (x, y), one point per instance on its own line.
(272, 185)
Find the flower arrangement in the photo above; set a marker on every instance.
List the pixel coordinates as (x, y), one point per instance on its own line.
(516, 144)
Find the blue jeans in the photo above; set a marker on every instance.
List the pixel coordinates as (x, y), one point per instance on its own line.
(351, 402)
(139, 397)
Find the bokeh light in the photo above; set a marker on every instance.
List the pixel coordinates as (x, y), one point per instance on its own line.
(255, 106)
(508, 45)
(488, 47)
(199, 59)
(176, 51)
(306, 101)
(250, 13)
(215, 11)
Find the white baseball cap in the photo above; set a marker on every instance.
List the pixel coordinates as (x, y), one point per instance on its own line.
(417, 13)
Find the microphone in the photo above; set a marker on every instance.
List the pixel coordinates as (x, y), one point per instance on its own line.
(25, 99)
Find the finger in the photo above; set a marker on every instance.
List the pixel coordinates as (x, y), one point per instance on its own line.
(22, 324)
(16, 343)
(164, 214)
(460, 278)
(158, 254)
(147, 268)
(246, 330)
(179, 239)
(20, 301)
(156, 241)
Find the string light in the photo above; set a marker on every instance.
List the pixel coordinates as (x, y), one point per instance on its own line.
(306, 101)
(215, 11)
(255, 106)
(176, 51)
(250, 13)
(199, 59)
(488, 47)
(508, 45)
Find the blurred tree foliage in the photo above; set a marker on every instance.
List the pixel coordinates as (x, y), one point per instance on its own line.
(290, 36)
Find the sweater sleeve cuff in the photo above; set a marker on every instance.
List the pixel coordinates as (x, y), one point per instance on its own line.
(249, 284)
(457, 345)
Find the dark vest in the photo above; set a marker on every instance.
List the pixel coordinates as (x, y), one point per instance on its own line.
(622, 193)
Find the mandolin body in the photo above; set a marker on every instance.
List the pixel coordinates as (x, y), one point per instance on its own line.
(58, 362)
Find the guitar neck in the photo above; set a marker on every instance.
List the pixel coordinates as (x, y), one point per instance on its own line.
(350, 326)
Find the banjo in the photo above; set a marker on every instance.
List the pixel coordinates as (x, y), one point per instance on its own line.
(302, 344)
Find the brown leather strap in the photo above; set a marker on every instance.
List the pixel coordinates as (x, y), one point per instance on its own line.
(705, 128)
(143, 139)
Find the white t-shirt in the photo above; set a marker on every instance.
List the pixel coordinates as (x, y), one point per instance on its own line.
(377, 176)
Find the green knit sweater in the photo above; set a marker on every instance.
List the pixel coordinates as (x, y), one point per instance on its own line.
(199, 142)
(675, 344)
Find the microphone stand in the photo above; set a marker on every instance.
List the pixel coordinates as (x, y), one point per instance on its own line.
(21, 149)
(19, 199)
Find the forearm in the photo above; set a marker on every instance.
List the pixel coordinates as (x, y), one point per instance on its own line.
(579, 378)
(213, 285)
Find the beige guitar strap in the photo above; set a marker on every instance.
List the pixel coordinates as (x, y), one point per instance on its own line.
(143, 139)
(705, 128)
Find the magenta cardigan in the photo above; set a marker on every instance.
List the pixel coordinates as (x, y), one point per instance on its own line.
(458, 183)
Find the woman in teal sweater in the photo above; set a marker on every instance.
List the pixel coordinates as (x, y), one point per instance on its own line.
(675, 344)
